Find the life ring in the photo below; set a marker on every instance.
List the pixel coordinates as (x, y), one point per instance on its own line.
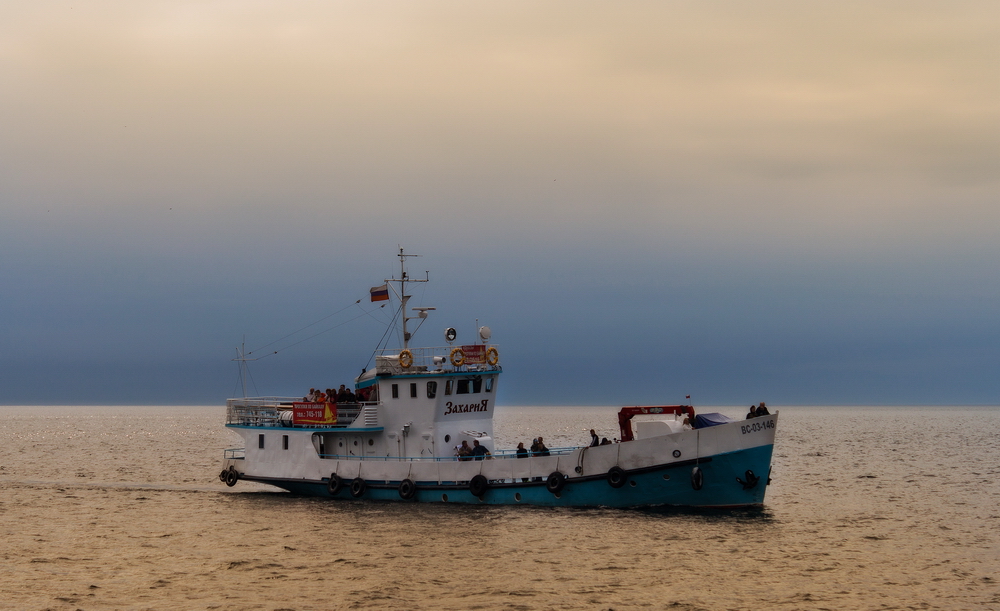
(556, 482)
(335, 485)
(697, 478)
(407, 489)
(232, 477)
(492, 357)
(479, 485)
(358, 487)
(457, 357)
(617, 477)
(405, 359)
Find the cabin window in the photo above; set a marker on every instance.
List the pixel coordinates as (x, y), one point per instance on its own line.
(448, 386)
(447, 438)
(260, 441)
(489, 384)
(477, 385)
(432, 389)
(395, 391)
(284, 442)
(413, 390)
(463, 387)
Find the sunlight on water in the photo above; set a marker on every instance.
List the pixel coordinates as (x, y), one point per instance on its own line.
(870, 508)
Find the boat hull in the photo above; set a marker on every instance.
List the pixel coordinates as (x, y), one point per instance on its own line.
(733, 477)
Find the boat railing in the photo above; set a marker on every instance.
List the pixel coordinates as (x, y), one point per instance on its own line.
(499, 454)
(235, 453)
(278, 412)
(439, 359)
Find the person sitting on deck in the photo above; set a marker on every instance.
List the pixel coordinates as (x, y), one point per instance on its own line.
(463, 451)
(752, 413)
(605, 442)
(762, 410)
(542, 450)
(479, 451)
(521, 452)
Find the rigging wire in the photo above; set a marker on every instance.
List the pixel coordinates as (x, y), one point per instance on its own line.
(388, 329)
(363, 314)
(304, 328)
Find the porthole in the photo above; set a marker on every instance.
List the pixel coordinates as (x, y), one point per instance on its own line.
(447, 438)
(355, 442)
(558, 495)
(340, 444)
(371, 442)
(444, 498)
(517, 497)
(666, 476)
(632, 483)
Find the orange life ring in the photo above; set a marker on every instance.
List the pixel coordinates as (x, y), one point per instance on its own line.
(457, 357)
(405, 359)
(492, 357)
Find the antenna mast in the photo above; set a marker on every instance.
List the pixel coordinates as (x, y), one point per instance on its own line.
(403, 297)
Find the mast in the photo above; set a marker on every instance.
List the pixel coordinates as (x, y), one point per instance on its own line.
(404, 298)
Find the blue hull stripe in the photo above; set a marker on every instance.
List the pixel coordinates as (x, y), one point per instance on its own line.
(668, 484)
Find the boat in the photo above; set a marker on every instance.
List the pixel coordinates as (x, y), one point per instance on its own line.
(397, 436)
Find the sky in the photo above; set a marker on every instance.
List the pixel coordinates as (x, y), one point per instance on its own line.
(789, 202)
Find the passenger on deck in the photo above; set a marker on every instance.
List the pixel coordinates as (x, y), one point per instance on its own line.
(464, 451)
(605, 442)
(542, 450)
(752, 413)
(320, 397)
(522, 453)
(594, 439)
(342, 394)
(687, 425)
(479, 451)
(762, 410)
(310, 397)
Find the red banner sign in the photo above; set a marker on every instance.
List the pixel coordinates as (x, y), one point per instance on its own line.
(475, 354)
(314, 413)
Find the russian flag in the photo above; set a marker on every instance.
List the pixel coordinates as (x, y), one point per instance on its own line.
(380, 293)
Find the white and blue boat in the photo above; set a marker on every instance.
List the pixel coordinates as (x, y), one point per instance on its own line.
(397, 439)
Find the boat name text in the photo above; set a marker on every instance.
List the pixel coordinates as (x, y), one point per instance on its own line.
(465, 408)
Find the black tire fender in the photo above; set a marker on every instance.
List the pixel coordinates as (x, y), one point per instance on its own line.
(407, 489)
(358, 487)
(617, 477)
(556, 482)
(697, 478)
(232, 477)
(478, 485)
(335, 485)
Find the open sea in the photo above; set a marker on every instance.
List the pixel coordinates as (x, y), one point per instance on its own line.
(869, 508)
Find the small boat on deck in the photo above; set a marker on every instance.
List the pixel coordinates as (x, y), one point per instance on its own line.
(395, 439)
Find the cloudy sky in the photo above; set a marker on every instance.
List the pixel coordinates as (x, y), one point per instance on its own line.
(781, 201)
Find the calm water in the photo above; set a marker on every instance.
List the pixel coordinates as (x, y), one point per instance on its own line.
(870, 508)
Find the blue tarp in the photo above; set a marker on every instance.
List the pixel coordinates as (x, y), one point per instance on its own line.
(703, 420)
